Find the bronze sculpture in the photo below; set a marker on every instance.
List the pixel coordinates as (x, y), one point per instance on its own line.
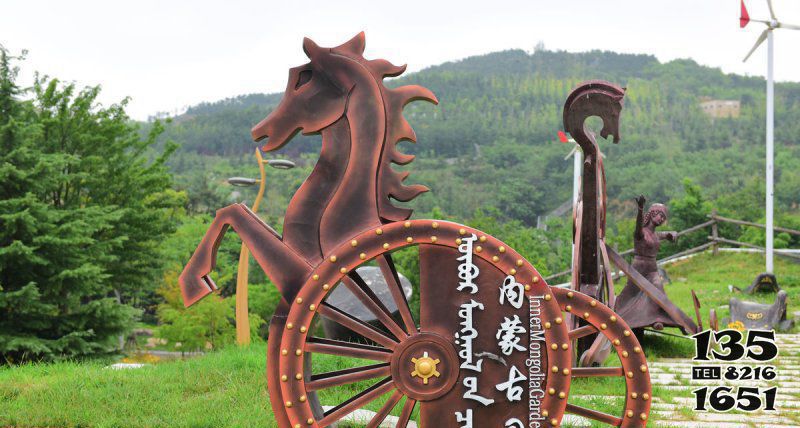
(631, 302)
(489, 345)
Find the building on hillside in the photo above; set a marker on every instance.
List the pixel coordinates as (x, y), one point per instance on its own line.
(720, 108)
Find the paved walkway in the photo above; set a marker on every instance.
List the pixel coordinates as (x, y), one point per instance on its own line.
(674, 375)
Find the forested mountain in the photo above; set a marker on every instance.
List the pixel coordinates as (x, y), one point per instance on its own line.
(491, 143)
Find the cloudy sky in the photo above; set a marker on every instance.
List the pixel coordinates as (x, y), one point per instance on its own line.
(167, 55)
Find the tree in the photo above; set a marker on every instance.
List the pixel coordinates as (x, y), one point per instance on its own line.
(82, 211)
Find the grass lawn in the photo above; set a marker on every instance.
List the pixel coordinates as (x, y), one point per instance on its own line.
(228, 387)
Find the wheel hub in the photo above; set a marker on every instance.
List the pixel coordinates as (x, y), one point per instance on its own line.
(425, 366)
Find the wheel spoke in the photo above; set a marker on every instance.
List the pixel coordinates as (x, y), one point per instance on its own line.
(594, 414)
(385, 410)
(357, 401)
(356, 325)
(361, 290)
(408, 407)
(583, 331)
(347, 349)
(393, 281)
(341, 377)
(597, 371)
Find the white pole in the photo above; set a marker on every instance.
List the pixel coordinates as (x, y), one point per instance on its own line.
(577, 158)
(770, 152)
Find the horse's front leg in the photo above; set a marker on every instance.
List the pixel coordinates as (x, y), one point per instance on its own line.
(284, 266)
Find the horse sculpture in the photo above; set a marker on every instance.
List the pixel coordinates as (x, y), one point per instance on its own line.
(488, 331)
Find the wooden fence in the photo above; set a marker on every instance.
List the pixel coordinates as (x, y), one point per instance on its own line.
(714, 241)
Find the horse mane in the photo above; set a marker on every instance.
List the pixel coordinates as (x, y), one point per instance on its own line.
(390, 182)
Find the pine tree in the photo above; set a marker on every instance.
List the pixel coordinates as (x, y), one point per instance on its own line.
(81, 212)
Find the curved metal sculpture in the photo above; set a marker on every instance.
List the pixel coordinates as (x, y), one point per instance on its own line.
(489, 344)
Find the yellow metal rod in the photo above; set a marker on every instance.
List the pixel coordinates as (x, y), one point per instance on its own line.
(242, 274)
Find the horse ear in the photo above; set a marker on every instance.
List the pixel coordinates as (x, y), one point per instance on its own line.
(310, 48)
(355, 45)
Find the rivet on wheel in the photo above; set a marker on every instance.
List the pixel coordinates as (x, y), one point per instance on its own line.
(586, 315)
(593, 303)
(478, 249)
(643, 416)
(385, 245)
(616, 342)
(634, 395)
(535, 279)
(495, 259)
(554, 346)
(303, 329)
(630, 413)
(613, 318)
(630, 375)
(643, 368)
(462, 231)
(625, 354)
(502, 249)
(343, 270)
(312, 307)
(407, 224)
(298, 352)
(284, 378)
(551, 391)
(559, 320)
(289, 326)
(298, 376)
(299, 300)
(379, 231)
(548, 297)
(288, 404)
(434, 238)
(568, 308)
(482, 238)
(326, 287)
(315, 277)
(284, 352)
(435, 225)
(302, 399)
(545, 413)
(555, 369)
(562, 395)
(333, 259)
(527, 287)
(297, 425)
(310, 421)
(645, 397)
(520, 262)
(547, 325)
(565, 346)
(637, 350)
(362, 256)
(603, 326)
(353, 243)
(512, 271)
(626, 333)
(458, 241)
(554, 422)
(570, 294)
(565, 372)
(409, 239)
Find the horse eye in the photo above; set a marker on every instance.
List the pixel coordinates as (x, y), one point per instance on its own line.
(303, 78)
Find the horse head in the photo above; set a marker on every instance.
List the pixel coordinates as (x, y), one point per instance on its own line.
(315, 96)
(594, 98)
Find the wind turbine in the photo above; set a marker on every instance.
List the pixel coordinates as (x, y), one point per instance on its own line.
(772, 24)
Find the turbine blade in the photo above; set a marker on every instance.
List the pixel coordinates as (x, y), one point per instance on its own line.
(771, 11)
(744, 17)
(790, 26)
(760, 40)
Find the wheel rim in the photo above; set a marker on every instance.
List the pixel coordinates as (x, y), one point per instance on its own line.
(297, 387)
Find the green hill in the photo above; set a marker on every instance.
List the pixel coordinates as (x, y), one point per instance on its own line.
(491, 141)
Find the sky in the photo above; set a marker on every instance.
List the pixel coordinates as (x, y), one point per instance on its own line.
(167, 55)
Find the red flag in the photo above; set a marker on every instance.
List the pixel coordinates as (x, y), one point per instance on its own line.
(744, 19)
(562, 137)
